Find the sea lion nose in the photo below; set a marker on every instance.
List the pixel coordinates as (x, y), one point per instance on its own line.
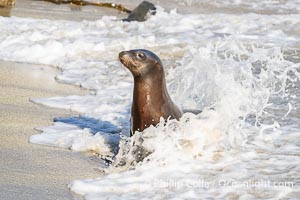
(122, 53)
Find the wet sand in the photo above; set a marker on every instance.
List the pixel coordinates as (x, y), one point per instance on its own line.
(46, 10)
(31, 171)
(43, 9)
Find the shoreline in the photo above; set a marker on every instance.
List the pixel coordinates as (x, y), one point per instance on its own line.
(35, 171)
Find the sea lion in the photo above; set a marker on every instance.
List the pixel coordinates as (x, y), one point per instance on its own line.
(141, 12)
(151, 100)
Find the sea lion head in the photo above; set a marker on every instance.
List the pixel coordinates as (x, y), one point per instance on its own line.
(140, 62)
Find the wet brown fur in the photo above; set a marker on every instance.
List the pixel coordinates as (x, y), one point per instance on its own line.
(151, 100)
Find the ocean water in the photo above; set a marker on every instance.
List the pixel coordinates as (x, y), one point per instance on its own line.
(241, 67)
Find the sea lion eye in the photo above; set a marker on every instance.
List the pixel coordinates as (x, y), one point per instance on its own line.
(141, 56)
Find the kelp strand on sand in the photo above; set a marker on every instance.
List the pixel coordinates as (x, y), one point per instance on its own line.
(88, 3)
(6, 3)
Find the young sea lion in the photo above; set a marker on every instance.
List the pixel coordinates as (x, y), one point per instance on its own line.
(150, 96)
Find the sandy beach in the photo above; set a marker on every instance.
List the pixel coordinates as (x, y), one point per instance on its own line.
(31, 171)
